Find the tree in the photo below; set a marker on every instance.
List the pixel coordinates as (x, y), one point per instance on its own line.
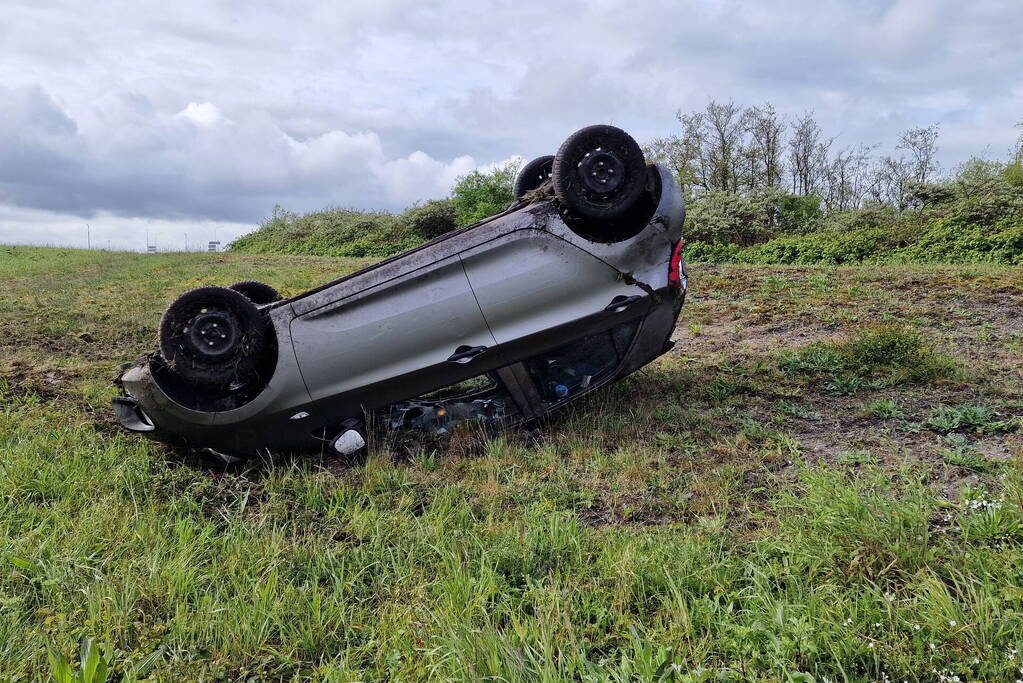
(680, 156)
(976, 170)
(846, 178)
(765, 129)
(922, 145)
(1018, 155)
(724, 147)
(725, 124)
(889, 182)
(479, 195)
(808, 155)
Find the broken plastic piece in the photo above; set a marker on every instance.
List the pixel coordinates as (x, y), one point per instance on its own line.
(349, 442)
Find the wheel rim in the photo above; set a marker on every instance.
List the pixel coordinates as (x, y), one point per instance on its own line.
(600, 172)
(212, 333)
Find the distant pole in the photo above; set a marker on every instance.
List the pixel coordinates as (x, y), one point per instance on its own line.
(88, 236)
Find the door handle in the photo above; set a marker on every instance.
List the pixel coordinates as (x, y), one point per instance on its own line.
(620, 303)
(464, 354)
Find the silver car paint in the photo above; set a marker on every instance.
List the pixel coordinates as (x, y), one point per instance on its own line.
(394, 328)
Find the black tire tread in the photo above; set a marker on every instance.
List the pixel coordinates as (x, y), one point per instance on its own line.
(238, 365)
(533, 175)
(257, 292)
(565, 180)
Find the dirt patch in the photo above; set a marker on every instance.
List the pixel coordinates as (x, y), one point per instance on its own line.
(23, 381)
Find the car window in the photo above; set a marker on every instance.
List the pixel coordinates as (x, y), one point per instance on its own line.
(464, 388)
(481, 398)
(574, 367)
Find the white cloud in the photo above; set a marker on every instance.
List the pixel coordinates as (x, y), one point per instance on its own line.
(201, 113)
(127, 158)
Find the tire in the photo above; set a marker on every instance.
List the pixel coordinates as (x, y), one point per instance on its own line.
(213, 336)
(533, 175)
(258, 293)
(599, 173)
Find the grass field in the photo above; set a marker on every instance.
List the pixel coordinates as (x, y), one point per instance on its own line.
(822, 481)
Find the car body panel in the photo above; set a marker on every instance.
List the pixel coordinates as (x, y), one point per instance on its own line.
(529, 281)
(407, 324)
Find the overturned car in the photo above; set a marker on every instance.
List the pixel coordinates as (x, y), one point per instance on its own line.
(576, 284)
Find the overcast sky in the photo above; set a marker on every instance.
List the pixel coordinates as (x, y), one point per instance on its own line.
(183, 117)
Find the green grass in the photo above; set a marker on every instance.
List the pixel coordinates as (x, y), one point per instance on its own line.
(885, 409)
(723, 515)
(970, 418)
(961, 454)
(875, 356)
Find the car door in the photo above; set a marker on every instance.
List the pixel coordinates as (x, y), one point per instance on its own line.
(395, 339)
(538, 291)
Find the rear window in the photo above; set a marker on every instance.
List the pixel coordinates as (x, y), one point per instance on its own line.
(574, 367)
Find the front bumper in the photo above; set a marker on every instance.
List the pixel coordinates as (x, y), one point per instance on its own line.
(131, 416)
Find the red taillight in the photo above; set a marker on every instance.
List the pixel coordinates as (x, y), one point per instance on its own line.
(675, 266)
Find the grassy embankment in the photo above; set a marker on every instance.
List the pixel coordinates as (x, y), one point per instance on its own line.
(821, 482)
(967, 220)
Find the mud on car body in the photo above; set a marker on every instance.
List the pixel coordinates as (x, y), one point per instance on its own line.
(576, 284)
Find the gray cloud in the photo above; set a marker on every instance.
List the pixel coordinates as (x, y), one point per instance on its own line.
(126, 157)
(196, 111)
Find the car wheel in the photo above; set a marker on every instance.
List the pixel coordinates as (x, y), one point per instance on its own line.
(599, 173)
(533, 175)
(258, 293)
(213, 336)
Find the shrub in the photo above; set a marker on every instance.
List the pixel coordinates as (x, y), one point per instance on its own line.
(870, 216)
(947, 241)
(479, 195)
(377, 234)
(333, 232)
(976, 170)
(940, 241)
(985, 202)
(800, 213)
(713, 253)
(1013, 174)
(727, 218)
(976, 218)
(828, 247)
(432, 219)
